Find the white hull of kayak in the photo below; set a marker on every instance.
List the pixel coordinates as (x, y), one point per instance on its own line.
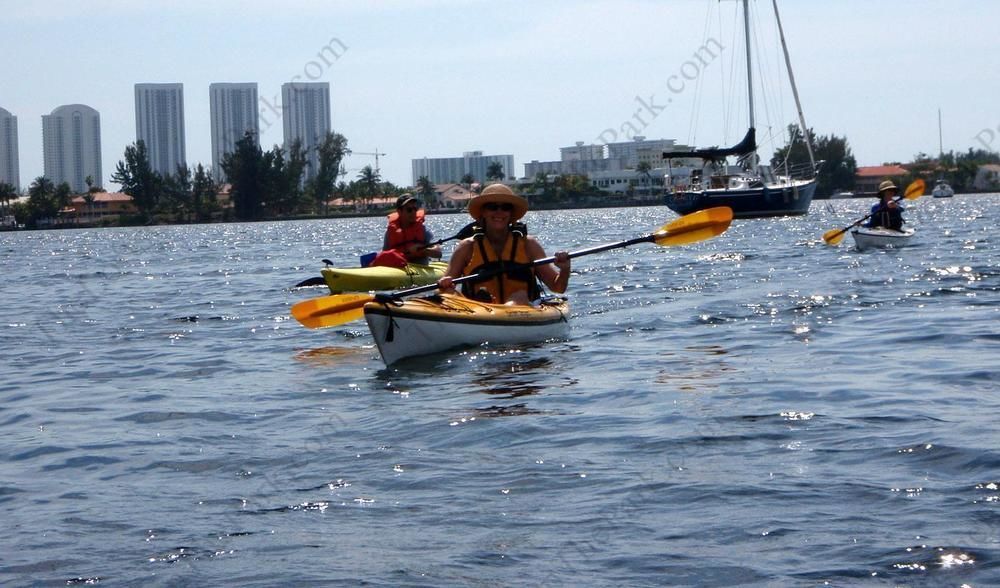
(871, 238)
(423, 326)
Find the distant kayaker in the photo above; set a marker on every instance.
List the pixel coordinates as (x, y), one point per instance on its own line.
(887, 213)
(406, 238)
(502, 243)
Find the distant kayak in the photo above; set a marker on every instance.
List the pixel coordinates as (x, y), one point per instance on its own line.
(869, 238)
(421, 326)
(365, 279)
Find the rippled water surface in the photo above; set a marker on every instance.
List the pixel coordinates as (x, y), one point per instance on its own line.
(759, 409)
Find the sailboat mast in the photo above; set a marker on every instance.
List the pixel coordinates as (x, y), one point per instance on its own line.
(795, 90)
(940, 141)
(746, 37)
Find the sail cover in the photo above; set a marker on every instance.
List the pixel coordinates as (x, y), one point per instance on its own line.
(745, 147)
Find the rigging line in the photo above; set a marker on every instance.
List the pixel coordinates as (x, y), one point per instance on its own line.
(698, 86)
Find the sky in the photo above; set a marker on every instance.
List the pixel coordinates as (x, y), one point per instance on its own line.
(436, 78)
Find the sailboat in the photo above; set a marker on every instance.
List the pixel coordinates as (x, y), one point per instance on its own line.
(752, 190)
(941, 187)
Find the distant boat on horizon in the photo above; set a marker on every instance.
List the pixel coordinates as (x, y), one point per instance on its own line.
(941, 187)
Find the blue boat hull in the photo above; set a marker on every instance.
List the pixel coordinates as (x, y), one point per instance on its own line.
(749, 203)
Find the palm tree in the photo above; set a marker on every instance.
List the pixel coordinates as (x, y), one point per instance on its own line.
(643, 169)
(88, 197)
(7, 193)
(495, 171)
(467, 181)
(369, 180)
(425, 188)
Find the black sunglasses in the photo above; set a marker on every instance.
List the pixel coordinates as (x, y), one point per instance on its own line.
(504, 206)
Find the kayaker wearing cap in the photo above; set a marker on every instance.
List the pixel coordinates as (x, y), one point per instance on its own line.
(887, 213)
(407, 234)
(502, 245)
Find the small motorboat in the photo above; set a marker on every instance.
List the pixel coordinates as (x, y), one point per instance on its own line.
(942, 190)
(374, 278)
(421, 326)
(880, 237)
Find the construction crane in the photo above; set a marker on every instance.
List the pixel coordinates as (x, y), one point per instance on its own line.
(376, 153)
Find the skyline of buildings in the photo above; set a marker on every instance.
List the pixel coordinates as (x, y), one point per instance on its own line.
(305, 117)
(159, 123)
(71, 144)
(10, 168)
(451, 170)
(232, 112)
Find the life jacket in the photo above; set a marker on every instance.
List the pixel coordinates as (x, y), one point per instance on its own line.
(889, 218)
(400, 237)
(502, 284)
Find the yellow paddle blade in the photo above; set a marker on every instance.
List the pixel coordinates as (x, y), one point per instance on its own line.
(914, 190)
(694, 227)
(330, 311)
(834, 236)
(334, 320)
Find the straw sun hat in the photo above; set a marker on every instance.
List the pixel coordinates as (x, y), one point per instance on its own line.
(500, 194)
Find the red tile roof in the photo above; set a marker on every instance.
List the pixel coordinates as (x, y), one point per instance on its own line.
(105, 197)
(881, 171)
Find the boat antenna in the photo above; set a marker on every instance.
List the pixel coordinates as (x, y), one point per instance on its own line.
(940, 141)
(795, 91)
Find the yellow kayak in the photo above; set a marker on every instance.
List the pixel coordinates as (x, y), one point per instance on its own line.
(365, 279)
(421, 326)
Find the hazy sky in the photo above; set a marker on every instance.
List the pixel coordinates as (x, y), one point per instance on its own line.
(435, 78)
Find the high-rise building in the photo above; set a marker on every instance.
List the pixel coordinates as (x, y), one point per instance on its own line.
(71, 145)
(451, 170)
(159, 123)
(233, 113)
(9, 166)
(305, 108)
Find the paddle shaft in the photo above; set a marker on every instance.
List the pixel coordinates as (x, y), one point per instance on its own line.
(320, 281)
(384, 297)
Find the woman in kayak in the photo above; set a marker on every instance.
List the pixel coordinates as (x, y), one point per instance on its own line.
(406, 238)
(887, 213)
(503, 244)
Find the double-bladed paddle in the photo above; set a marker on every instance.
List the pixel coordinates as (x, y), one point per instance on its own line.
(913, 191)
(331, 311)
(466, 232)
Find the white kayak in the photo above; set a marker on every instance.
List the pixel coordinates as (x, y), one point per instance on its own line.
(421, 326)
(873, 237)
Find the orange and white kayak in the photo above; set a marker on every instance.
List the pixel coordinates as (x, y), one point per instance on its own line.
(421, 326)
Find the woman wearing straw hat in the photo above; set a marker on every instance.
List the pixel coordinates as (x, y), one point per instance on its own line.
(887, 213)
(503, 245)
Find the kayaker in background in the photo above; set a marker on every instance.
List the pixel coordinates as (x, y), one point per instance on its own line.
(406, 238)
(887, 213)
(503, 242)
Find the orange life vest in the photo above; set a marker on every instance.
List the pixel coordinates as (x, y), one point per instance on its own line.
(398, 237)
(520, 277)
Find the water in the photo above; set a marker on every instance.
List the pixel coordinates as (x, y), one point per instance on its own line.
(759, 409)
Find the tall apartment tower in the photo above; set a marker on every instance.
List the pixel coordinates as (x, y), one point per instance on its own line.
(233, 113)
(71, 145)
(305, 110)
(159, 123)
(9, 166)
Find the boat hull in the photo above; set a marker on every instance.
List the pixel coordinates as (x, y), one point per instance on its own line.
(365, 279)
(873, 238)
(421, 326)
(786, 200)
